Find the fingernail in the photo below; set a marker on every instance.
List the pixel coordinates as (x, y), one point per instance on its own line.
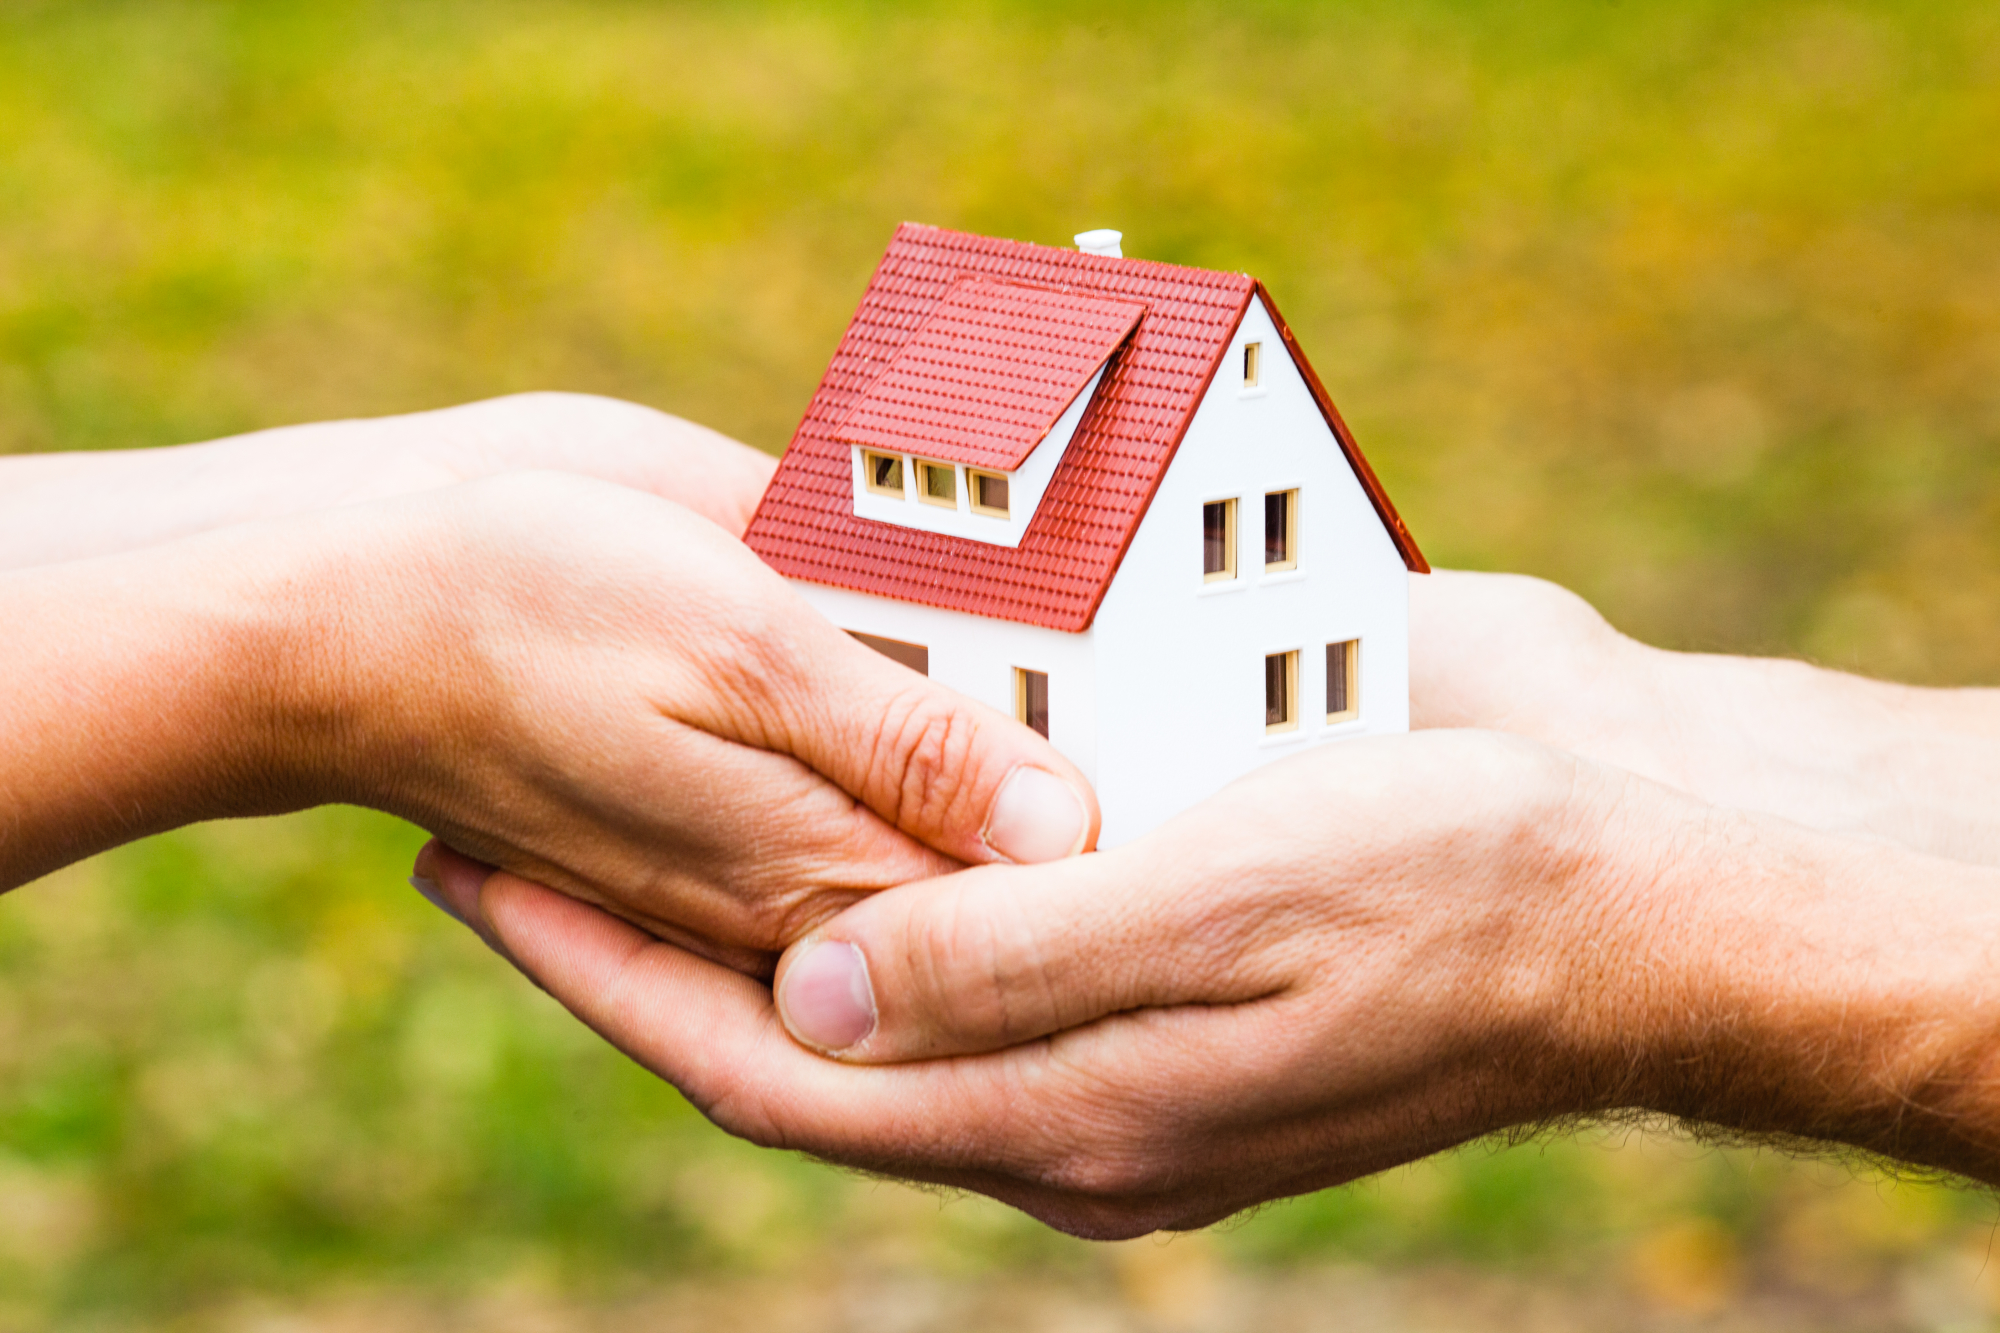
(1036, 817)
(826, 1000)
(429, 888)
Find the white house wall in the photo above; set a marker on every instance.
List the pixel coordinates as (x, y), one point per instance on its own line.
(1180, 661)
(977, 655)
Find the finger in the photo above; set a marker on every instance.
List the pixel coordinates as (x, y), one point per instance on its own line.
(452, 881)
(948, 771)
(758, 666)
(998, 955)
(709, 1031)
(1049, 1129)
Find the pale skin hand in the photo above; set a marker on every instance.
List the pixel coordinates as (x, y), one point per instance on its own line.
(56, 507)
(1258, 1000)
(564, 676)
(1828, 750)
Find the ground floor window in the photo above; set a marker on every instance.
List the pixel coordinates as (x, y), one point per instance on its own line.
(1031, 699)
(912, 655)
(1281, 692)
(1343, 681)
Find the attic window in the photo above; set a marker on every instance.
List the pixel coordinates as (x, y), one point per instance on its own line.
(1281, 692)
(1218, 541)
(989, 493)
(937, 484)
(885, 473)
(1253, 357)
(1281, 531)
(1343, 681)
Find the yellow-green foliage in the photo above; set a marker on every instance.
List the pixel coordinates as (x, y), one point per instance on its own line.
(1695, 307)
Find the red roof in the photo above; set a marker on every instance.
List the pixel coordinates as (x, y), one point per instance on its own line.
(805, 528)
(989, 372)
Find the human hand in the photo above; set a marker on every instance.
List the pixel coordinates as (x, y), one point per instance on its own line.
(1342, 962)
(68, 506)
(572, 679)
(1822, 748)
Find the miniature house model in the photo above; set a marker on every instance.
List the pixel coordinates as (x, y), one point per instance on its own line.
(1107, 496)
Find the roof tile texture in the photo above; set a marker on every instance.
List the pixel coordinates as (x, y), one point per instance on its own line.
(805, 527)
(989, 372)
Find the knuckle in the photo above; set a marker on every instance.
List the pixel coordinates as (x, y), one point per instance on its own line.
(916, 775)
(959, 959)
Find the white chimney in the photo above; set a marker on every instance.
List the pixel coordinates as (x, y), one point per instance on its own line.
(1103, 241)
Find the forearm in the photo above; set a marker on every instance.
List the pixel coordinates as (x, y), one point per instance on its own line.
(146, 692)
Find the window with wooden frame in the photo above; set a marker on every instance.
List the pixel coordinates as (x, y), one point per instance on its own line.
(989, 493)
(1253, 367)
(937, 484)
(1218, 541)
(912, 655)
(1281, 531)
(1343, 681)
(1031, 699)
(1281, 692)
(884, 473)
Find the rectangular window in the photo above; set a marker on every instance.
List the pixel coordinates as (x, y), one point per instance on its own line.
(1218, 541)
(1253, 356)
(989, 493)
(885, 473)
(1031, 699)
(1343, 681)
(938, 484)
(1281, 530)
(912, 655)
(1281, 692)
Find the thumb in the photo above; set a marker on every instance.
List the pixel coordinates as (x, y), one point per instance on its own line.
(999, 955)
(948, 771)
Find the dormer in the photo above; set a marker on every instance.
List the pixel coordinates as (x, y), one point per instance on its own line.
(962, 431)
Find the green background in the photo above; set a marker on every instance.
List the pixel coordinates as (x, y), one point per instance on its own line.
(1693, 307)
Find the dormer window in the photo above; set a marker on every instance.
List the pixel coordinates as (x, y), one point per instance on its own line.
(937, 484)
(1253, 356)
(884, 472)
(989, 493)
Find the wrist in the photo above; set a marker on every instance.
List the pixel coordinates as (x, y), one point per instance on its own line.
(147, 692)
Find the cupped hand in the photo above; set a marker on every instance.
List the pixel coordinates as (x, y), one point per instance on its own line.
(601, 690)
(1822, 748)
(72, 506)
(583, 434)
(1340, 963)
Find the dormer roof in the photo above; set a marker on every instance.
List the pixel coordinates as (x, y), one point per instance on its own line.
(805, 527)
(989, 371)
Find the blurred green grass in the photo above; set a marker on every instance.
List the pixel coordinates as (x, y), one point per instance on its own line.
(1693, 307)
